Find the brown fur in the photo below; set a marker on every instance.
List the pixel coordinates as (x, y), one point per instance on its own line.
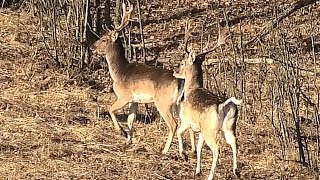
(138, 83)
(205, 112)
(201, 99)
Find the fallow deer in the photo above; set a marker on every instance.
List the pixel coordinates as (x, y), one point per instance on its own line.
(138, 83)
(205, 112)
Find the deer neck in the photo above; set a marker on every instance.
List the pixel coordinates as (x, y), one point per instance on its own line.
(198, 73)
(116, 61)
(191, 83)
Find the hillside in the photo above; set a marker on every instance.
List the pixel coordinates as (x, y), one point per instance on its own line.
(54, 124)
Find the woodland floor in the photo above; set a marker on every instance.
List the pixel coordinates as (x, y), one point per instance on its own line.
(48, 121)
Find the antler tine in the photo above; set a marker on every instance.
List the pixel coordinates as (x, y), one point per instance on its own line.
(187, 34)
(221, 40)
(125, 17)
(105, 28)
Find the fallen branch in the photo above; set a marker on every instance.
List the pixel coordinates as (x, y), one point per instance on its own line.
(216, 61)
(239, 60)
(210, 62)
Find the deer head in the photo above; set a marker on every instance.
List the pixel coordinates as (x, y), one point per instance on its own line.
(186, 66)
(192, 56)
(108, 41)
(190, 67)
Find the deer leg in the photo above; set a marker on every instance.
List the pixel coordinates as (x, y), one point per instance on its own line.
(183, 127)
(117, 105)
(211, 142)
(167, 115)
(199, 148)
(231, 139)
(131, 118)
(192, 139)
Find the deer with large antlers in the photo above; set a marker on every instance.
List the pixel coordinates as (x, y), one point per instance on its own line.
(205, 112)
(138, 83)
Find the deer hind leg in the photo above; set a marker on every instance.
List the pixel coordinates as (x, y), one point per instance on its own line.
(229, 129)
(166, 113)
(131, 118)
(117, 105)
(212, 143)
(231, 139)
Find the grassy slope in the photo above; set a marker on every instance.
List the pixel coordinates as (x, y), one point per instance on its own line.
(49, 128)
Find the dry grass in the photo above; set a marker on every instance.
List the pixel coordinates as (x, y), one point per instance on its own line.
(49, 128)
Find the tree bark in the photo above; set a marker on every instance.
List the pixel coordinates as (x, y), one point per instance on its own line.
(107, 16)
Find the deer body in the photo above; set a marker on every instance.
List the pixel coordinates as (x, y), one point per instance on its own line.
(142, 83)
(137, 83)
(206, 113)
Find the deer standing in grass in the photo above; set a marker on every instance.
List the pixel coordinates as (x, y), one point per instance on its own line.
(205, 112)
(138, 83)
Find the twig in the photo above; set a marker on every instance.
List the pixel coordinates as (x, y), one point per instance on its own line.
(162, 177)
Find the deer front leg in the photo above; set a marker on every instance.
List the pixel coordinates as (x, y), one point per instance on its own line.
(117, 105)
(131, 117)
(192, 140)
(183, 127)
(211, 142)
(167, 115)
(199, 148)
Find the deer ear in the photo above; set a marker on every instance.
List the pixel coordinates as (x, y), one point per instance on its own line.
(191, 57)
(114, 36)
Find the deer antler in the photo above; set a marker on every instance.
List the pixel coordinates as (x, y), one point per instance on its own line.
(221, 40)
(126, 16)
(187, 34)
